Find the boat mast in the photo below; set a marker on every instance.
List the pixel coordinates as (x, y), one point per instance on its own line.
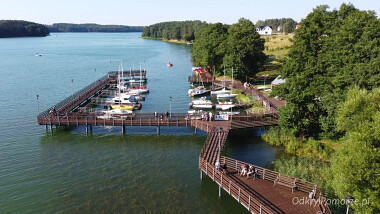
(232, 84)
(140, 76)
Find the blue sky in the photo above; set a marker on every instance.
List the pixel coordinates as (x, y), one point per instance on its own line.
(144, 12)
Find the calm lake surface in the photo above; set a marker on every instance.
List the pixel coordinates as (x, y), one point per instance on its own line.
(71, 172)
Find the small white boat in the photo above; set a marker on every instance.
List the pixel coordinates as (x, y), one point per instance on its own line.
(38, 54)
(110, 113)
(202, 100)
(191, 90)
(228, 112)
(224, 105)
(225, 96)
(202, 106)
(223, 91)
(194, 111)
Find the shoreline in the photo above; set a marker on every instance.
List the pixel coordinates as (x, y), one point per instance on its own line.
(170, 40)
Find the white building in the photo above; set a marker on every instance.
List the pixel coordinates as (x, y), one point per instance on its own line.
(264, 30)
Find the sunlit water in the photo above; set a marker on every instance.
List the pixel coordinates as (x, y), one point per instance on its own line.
(106, 172)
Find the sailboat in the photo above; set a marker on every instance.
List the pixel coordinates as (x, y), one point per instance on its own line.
(224, 90)
(198, 91)
(228, 95)
(139, 89)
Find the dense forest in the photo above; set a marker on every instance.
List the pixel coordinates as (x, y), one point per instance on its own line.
(332, 91)
(238, 46)
(19, 28)
(177, 30)
(68, 27)
(288, 24)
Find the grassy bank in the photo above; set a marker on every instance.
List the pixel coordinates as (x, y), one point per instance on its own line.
(306, 148)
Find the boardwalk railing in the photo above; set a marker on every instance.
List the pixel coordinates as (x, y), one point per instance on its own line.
(137, 119)
(276, 178)
(233, 189)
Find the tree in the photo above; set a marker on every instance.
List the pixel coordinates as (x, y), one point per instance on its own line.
(356, 167)
(179, 30)
(331, 52)
(244, 50)
(209, 46)
(19, 28)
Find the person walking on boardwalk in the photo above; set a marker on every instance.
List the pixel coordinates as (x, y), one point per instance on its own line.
(210, 115)
(167, 113)
(155, 114)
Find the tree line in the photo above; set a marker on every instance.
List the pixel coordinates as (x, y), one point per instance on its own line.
(238, 46)
(69, 27)
(178, 30)
(332, 91)
(288, 24)
(20, 28)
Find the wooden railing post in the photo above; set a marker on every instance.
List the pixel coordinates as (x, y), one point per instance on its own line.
(213, 174)
(229, 188)
(239, 196)
(249, 203)
(261, 209)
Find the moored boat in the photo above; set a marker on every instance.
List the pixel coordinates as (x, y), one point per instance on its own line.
(223, 91)
(226, 96)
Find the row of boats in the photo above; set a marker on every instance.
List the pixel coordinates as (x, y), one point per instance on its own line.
(220, 94)
(204, 103)
(127, 97)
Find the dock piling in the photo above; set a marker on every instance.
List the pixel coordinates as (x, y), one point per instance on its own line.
(123, 129)
(158, 130)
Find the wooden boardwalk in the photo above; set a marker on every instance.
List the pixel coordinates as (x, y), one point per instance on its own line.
(268, 192)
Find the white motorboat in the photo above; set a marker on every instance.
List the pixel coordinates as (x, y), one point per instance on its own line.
(224, 105)
(202, 100)
(197, 88)
(229, 112)
(223, 91)
(120, 100)
(226, 96)
(110, 113)
(200, 90)
(202, 106)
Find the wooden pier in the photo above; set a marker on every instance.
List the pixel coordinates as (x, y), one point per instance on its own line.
(267, 192)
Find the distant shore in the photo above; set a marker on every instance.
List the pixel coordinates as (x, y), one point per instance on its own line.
(170, 40)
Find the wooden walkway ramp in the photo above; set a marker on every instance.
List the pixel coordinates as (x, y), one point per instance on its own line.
(267, 192)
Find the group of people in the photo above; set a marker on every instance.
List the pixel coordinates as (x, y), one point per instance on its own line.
(247, 85)
(222, 168)
(248, 170)
(207, 116)
(162, 115)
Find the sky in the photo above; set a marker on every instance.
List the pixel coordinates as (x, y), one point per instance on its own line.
(147, 12)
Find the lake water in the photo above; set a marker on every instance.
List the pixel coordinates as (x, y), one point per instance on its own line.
(106, 171)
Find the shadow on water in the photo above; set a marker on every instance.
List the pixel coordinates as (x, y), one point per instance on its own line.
(246, 145)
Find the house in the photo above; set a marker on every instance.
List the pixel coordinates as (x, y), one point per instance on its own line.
(279, 28)
(297, 26)
(264, 30)
(277, 81)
